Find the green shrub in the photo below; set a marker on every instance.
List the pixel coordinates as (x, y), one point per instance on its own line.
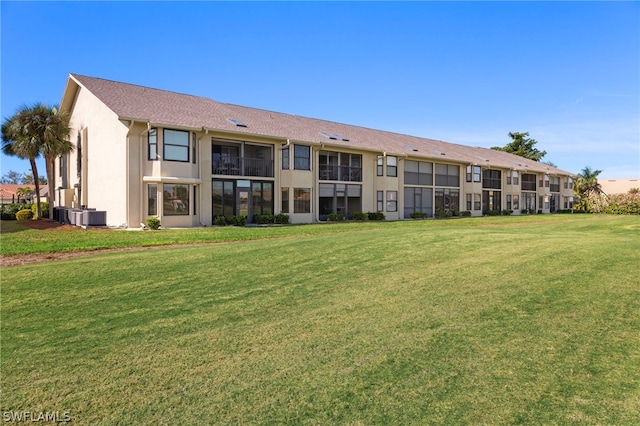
(153, 223)
(263, 219)
(418, 215)
(375, 215)
(44, 209)
(220, 221)
(239, 220)
(507, 212)
(442, 214)
(539, 211)
(628, 203)
(493, 212)
(335, 217)
(24, 214)
(359, 216)
(9, 210)
(466, 213)
(281, 218)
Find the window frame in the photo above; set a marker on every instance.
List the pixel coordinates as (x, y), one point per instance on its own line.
(152, 147)
(302, 206)
(185, 205)
(286, 159)
(284, 200)
(299, 160)
(184, 147)
(152, 196)
(392, 201)
(392, 169)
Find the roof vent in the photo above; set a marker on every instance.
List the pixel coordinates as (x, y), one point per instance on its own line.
(438, 152)
(236, 122)
(334, 136)
(412, 148)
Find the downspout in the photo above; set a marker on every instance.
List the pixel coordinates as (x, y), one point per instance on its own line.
(127, 180)
(199, 165)
(141, 164)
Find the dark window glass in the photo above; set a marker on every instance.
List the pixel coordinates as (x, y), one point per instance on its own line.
(152, 142)
(175, 199)
(152, 196)
(176, 145)
(301, 157)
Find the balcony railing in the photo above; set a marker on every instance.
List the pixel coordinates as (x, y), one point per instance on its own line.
(242, 166)
(340, 173)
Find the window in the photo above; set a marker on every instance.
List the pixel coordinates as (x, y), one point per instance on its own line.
(223, 198)
(418, 200)
(392, 166)
(512, 177)
(492, 179)
(79, 156)
(338, 198)
(418, 173)
(473, 173)
(447, 200)
(509, 202)
(546, 181)
(175, 199)
(152, 142)
(193, 148)
(447, 175)
(195, 197)
(152, 197)
(301, 157)
(380, 166)
(302, 200)
(176, 145)
(392, 201)
(339, 166)
(262, 197)
(285, 158)
(568, 202)
(64, 161)
(528, 198)
(555, 184)
(516, 202)
(568, 184)
(380, 201)
(284, 208)
(473, 202)
(528, 182)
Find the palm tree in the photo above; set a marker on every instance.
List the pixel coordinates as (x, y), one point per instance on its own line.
(53, 129)
(25, 193)
(35, 130)
(17, 140)
(587, 182)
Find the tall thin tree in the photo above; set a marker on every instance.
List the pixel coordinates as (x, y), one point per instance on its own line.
(38, 130)
(17, 140)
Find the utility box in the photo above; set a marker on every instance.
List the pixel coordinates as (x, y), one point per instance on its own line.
(93, 218)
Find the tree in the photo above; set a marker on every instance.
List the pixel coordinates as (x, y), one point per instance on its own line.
(586, 185)
(12, 177)
(34, 131)
(28, 179)
(18, 140)
(522, 145)
(25, 193)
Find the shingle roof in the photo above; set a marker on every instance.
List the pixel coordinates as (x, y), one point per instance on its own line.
(166, 108)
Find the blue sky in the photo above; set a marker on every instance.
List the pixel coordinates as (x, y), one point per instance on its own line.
(465, 72)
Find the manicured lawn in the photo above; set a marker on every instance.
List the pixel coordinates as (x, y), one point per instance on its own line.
(513, 320)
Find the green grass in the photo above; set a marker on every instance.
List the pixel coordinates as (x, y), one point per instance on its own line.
(530, 320)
